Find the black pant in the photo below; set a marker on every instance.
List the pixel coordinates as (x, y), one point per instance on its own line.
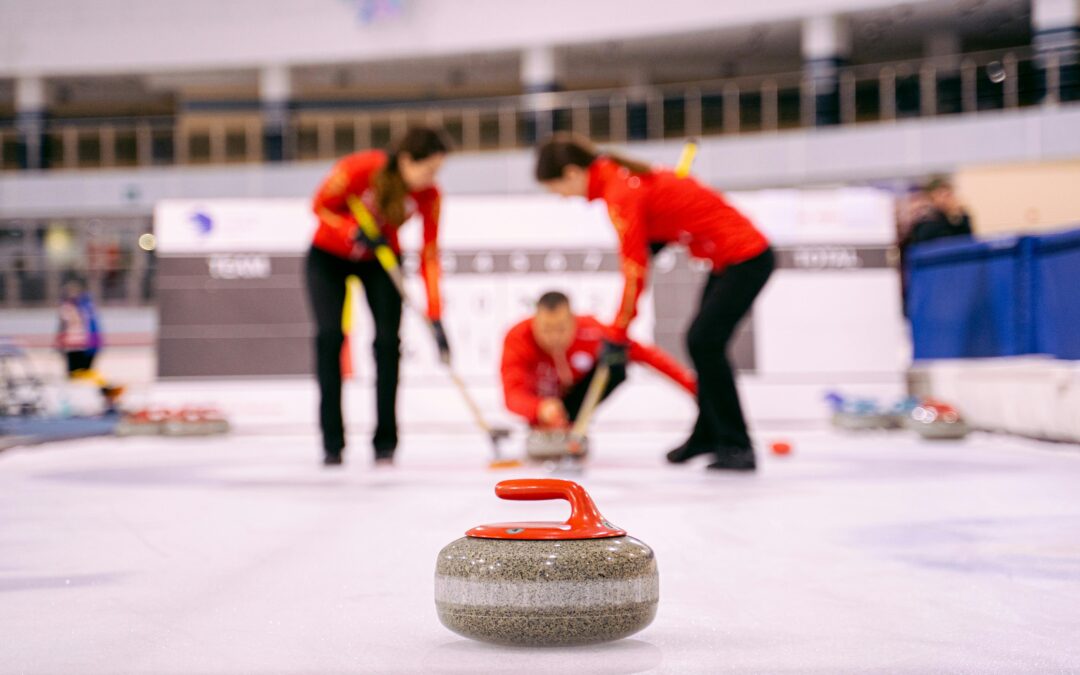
(81, 360)
(726, 299)
(575, 398)
(326, 275)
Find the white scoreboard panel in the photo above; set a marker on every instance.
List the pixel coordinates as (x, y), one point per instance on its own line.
(233, 301)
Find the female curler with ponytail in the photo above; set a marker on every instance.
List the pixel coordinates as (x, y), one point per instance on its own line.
(394, 186)
(651, 207)
(567, 149)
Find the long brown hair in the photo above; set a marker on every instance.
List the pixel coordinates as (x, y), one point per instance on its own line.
(565, 149)
(419, 142)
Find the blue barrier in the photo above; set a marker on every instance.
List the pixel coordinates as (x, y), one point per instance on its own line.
(1056, 306)
(1001, 297)
(963, 299)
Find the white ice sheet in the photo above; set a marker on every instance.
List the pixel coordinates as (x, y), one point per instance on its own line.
(241, 555)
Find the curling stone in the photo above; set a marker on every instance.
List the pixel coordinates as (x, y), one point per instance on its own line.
(856, 414)
(900, 411)
(547, 584)
(196, 422)
(147, 422)
(935, 420)
(545, 445)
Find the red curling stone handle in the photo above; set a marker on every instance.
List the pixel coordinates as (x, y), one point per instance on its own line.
(585, 521)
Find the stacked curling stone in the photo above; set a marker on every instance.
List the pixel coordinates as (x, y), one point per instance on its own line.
(196, 422)
(184, 422)
(857, 414)
(545, 445)
(935, 420)
(147, 422)
(547, 584)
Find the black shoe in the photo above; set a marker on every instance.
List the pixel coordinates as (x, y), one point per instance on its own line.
(384, 442)
(332, 459)
(742, 460)
(688, 451)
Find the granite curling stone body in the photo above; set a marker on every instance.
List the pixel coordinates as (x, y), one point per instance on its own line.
(545, 445)
(547, 584)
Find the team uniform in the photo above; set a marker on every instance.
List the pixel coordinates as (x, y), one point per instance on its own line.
(336, 254)
(530, 374)
(78, 335)
(657, 208)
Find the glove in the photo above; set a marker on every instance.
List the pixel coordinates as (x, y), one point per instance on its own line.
(363, 239)
(441, 341)
(613, 353)
(551, 413)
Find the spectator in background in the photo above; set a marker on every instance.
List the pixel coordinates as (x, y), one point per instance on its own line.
(943, 216)
(78, 338)
(930, 212)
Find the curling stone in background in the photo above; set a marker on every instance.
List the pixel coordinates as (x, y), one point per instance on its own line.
(935, 420)
(900, 411)
(856, 414)
(547, 584)
(146, 422)
(196, 422)
(544, 445)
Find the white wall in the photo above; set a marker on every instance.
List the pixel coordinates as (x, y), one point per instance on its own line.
(1027, 395)
(98, 36)
(1025, 197)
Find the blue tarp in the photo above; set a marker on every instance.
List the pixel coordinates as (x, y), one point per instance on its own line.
(1001, 297)
(1057, 294)
(34, 430)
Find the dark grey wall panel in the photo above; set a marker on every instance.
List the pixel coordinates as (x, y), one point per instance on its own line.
(230, 306)
(255, 321)
(224, 357)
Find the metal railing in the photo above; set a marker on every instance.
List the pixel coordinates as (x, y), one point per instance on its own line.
(883, 92)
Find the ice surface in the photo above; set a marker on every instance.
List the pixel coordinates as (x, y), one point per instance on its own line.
(242, 555)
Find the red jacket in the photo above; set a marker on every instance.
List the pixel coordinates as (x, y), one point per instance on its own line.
(530, 374)
(661, 207)
(336, 234)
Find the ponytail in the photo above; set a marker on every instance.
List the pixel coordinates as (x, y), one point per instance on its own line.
(419, 142)
(632, 165)
(567, 149)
